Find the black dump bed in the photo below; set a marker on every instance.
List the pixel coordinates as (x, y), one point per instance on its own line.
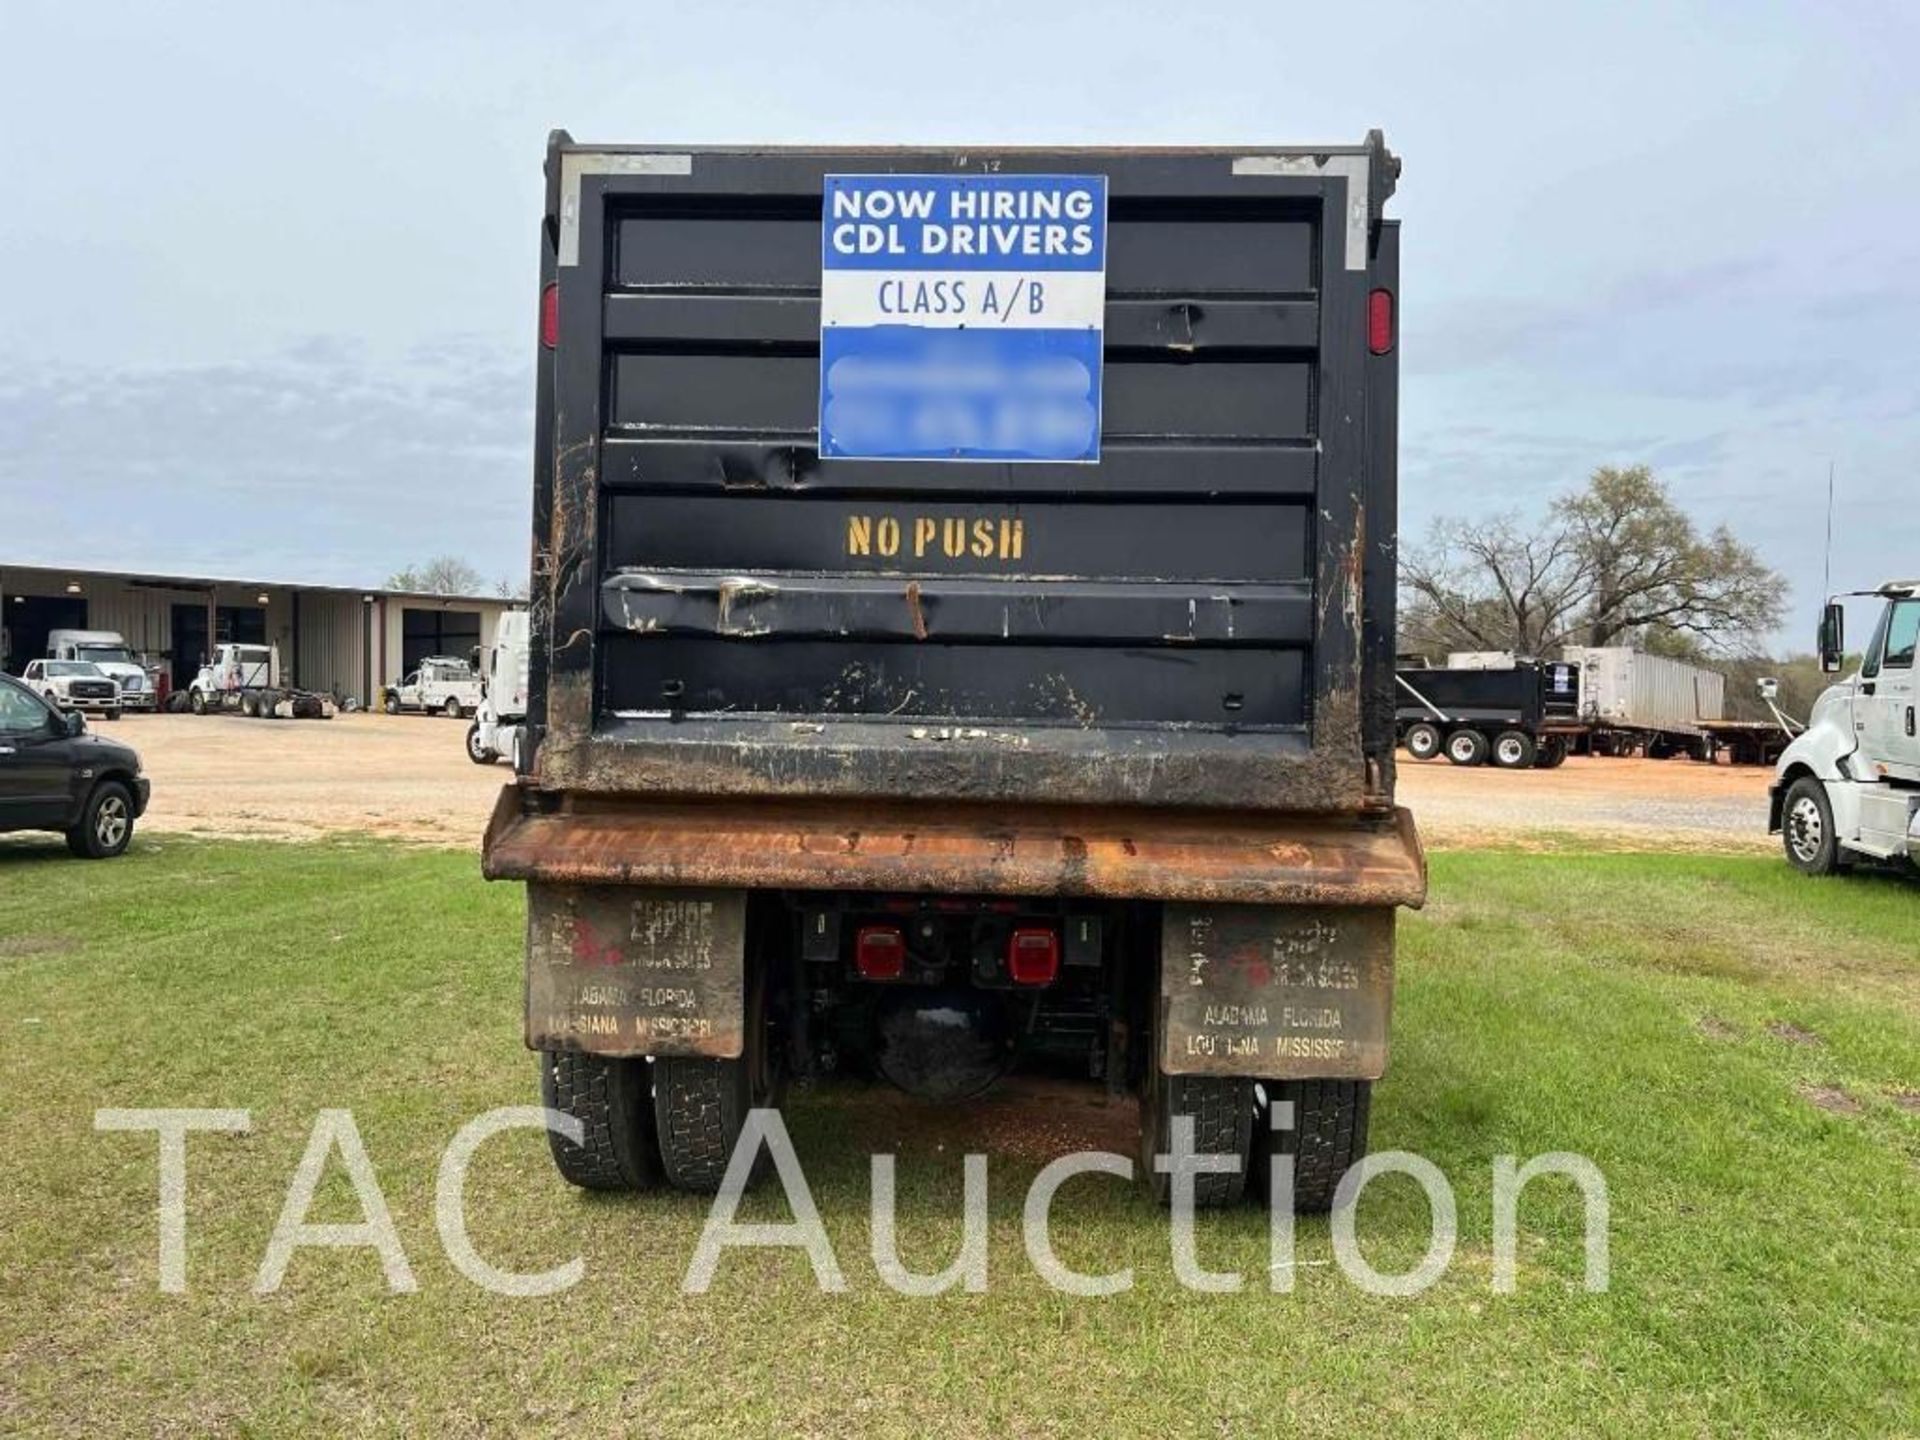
(1533, 695)
(1202, 617)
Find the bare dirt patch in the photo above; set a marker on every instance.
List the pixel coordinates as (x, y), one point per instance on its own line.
(1793, 1034)
(1907, 1100)
(404, 776)
(407, 776)
(18, 947)
(1714, 1028)
(1832, 1099)
(1635, 804)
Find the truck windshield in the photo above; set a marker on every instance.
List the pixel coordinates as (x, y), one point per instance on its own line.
(104, 654)
(72, 667)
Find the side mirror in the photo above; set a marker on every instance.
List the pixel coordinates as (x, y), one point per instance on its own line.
(1833, 636)
(69, 723)
(1769, 688)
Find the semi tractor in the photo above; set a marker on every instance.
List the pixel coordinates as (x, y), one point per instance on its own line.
(928, 691)
(496, 729)
(247, 679)
(1847, 790)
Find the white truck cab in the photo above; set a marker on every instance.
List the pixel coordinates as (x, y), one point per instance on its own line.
(109, 650)
(498, 724)
(1849, 787)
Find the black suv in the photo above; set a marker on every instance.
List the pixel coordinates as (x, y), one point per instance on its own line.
(56, 776)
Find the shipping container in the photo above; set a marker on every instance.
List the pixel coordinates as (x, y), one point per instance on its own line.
(933, 767)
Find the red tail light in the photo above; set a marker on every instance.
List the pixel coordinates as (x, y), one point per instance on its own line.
(1380, 321)
(550, 316)
(880, 952)
(1033, 957)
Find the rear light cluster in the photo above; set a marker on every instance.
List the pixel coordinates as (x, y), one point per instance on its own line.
(1380, 321)
(550, 316)
(1033, 954)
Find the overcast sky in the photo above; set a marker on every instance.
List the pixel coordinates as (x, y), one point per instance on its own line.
(268, 273)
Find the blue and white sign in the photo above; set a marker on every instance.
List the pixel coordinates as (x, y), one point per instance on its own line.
(961, 317)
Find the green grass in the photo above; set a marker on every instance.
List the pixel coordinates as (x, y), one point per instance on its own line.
(1667, 1016)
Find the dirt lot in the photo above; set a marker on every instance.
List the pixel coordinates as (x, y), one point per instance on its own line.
(408, 776)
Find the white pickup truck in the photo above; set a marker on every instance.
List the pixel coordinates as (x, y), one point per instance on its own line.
(75, 685)
(444, 684)
(1848, 788)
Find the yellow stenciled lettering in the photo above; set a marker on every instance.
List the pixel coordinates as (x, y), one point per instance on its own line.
(953, 538)
(886, 535)
(982, 539)
(1013, 536)
(922, 535)
(859, 535)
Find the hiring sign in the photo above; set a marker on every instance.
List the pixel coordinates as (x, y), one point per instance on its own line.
(961, 317)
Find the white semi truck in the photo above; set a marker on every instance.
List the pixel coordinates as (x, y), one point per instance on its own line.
(109, 650)
(496, 727)
(1848, 789)
(247, 678)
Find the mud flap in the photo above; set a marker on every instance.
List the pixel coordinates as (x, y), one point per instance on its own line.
(636, 970)
(1277, 992)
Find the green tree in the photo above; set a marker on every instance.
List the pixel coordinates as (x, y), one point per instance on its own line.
(1616, 562)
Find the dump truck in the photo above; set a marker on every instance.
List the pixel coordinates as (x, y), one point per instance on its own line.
(961, 644)
(1517, 715)
(1847, 790)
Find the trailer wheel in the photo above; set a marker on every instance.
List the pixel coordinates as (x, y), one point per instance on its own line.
(477, 752)
(1806, 828)
(1514, 750)
(1467, 747)
(1328, 1135)
(1422, 740)
(700, 1104)
(609, 1099)
(1553, 752)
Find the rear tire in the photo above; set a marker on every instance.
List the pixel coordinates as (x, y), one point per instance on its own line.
(1514, 750)
(1553, 753)
(1329, 1134)
(106, 823)
(114, 714)
(609, 1099)
(1806, 828)
(390, 702)
(700, 1104)
(1467, 747)
(452, 708)
(1422, 740)
(1221, 1108)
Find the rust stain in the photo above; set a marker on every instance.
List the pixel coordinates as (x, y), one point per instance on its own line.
(1222, 856)
(913, 609)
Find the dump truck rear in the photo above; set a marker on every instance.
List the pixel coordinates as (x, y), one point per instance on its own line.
(962, 642)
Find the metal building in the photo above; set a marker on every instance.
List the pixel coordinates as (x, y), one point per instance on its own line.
(348, 642)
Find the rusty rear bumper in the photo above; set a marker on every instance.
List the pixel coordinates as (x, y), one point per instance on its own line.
(1217, 857)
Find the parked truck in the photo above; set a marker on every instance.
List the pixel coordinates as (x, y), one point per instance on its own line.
(1517, 715)
(1028, 705)
(497, 725)
(1847, 790)
(248, 679)
(438, 685)
(109, 650)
